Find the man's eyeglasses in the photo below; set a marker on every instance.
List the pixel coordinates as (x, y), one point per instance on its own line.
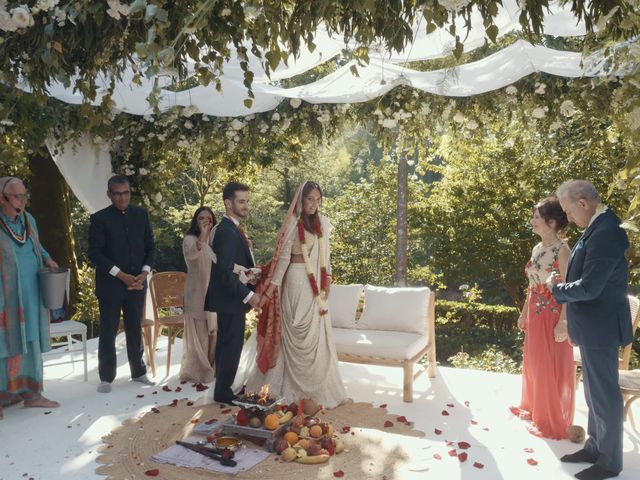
(126, 193)
(23, 197)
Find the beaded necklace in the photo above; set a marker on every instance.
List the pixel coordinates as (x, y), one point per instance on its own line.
(18, 231)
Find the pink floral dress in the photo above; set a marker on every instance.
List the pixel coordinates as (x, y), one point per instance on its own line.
(548, 374)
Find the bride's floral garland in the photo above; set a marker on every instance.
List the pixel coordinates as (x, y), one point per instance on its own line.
(324, 275)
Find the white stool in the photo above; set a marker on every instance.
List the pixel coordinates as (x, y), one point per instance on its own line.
(67, 329)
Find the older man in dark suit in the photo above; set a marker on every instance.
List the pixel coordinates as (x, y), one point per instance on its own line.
(599, 319)
(227, 295)
(122, 249)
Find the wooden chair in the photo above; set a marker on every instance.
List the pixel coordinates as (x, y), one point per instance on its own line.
(629, 382)
(167, 291)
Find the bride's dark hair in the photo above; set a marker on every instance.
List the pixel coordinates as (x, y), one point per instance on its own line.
(310, 222)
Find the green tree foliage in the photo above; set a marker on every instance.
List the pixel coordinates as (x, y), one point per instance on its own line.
(476, 217)
(57, 39)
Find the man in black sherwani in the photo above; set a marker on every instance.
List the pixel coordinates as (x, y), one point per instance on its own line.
(122, 249)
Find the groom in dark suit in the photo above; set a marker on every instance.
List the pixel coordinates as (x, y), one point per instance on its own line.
(599, 319)
(227, 295)
(122, 249)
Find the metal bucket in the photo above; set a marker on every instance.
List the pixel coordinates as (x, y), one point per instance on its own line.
(53, 286)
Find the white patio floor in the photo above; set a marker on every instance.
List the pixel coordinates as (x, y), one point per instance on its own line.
(62, 443)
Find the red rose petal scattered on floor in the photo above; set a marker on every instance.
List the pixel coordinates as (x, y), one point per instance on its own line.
(437, 431)
(154, 393)
(388, 424)
(209, 422)
(453, 453)
(226, 410)
(402, 419)
(450, 405)
(478, 465)
(174, 403)
(178, 389)
(345, 429)
(463, 445)
(338, 474)
(445, 413)
(449, 443)
(473, 422)
(466, 404)
(140, 396)
(152, 473)
(182, 382)
(528, 450)
(462, 457)
(189, 403)
(437, 456)
(384, 405)
(166, 388)
(532, 461)
(200, 387)
(194, 420)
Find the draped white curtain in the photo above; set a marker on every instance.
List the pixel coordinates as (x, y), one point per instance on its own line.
(87, 167)
(381, 75)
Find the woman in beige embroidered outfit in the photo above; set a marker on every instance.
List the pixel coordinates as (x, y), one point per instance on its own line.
(296, 351)
(199, 328)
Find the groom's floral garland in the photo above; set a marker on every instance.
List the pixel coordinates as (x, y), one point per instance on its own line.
(324, 275)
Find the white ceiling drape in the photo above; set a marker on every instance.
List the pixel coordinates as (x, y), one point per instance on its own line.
(88, 167)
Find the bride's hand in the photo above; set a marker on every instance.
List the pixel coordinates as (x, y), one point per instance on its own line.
(326, 294)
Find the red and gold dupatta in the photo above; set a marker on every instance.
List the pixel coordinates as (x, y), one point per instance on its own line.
(268, 331)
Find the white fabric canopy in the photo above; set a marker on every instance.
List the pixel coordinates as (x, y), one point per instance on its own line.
(375, 79)
(491, 73)
(87, 167)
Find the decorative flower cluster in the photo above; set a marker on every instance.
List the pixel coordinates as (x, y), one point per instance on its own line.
(21, 17)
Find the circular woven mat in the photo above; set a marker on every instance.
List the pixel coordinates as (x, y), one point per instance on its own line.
(379, 445)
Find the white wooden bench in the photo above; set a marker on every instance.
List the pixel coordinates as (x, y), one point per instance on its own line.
(396, 328)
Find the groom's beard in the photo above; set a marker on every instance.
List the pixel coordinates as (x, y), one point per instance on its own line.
(241, 213)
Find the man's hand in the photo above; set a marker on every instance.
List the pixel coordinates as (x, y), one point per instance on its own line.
(263, 300)
(255, 300)
(51, 263)
(138, 284)
(553, 280)
(126, 278)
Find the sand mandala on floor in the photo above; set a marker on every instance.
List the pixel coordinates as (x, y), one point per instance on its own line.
(377, 445)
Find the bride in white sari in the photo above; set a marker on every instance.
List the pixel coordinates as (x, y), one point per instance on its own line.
(296, 353)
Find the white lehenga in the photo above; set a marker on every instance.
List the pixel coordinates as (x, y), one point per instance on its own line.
(307, 364)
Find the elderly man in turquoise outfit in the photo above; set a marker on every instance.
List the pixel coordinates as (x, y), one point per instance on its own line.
(24, 321)
(595, 291)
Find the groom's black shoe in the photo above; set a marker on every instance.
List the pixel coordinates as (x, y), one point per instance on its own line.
(595, 472)
(228, 401)
(581, 456)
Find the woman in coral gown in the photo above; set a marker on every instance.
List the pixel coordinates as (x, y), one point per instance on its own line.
(548, 374)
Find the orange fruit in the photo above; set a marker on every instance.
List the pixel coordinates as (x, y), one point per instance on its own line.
(315, 431)
(291, 438)
(271, 421)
